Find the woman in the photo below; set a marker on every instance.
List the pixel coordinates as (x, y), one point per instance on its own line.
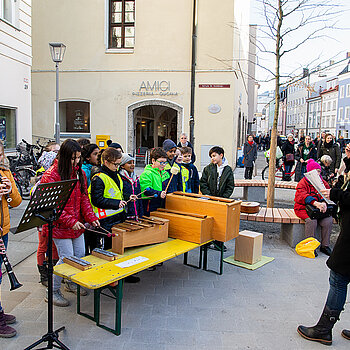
(305, 151)
(90, 154)
(307, 194)
(8, 189)
(339, 264)
(185, 143)
(69, 228)
(332, 149)
(288, 156)
(106, 192)
(250, 153)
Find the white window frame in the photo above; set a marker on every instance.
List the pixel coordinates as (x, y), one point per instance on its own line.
(347, 90)
(341, 92)
(347, 113)
(14, 20)
(341, 114)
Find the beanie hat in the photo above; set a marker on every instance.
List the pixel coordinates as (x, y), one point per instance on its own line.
(312, 165)
(47, 159)
(126, 158)
(116, 145)
(168, 145)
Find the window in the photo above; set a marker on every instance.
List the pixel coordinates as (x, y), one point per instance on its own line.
(341, 114)
(121, 24)
(9, 10)
(8, 127)
(341, 93)
(334, 105)
(347, 90)
(75, 117)
(328, 106)
(347, 112)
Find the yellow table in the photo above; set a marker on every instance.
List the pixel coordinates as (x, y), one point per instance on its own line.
(103, 274)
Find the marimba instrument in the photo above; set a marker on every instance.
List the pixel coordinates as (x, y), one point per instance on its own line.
(80, 264)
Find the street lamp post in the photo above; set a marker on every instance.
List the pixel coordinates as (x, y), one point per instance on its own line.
(57, 52)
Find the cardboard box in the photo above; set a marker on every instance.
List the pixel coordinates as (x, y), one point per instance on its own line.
(248, 247)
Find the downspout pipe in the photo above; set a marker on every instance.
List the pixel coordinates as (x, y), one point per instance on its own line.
(193, 69)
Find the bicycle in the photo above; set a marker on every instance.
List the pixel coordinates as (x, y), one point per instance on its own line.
(280, 173)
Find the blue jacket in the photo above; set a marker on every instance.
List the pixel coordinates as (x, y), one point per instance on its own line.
(86, 167)
(193, 181)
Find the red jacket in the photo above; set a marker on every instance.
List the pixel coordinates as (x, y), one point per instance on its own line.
(305, 194)
(78, 207)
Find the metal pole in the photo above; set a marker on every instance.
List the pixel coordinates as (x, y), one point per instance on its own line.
(57, 124)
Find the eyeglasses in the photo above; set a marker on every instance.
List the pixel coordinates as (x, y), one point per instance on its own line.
(161, 163)
(115, 163)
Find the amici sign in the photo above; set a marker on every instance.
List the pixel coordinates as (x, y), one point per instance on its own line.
(155, 88)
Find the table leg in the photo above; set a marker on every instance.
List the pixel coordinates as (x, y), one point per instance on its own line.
(219, 245)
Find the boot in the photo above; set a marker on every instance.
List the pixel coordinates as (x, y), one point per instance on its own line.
(43, 275)
(5, 330)
(346, 334)
(322, 331)
(58, 299)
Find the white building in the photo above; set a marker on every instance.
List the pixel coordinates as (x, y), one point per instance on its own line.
(15, 72)
(329, 107)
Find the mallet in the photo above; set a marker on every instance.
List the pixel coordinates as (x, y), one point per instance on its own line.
(147, 189)
(174, 171)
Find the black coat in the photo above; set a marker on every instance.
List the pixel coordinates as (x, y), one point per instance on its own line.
(339, 261)
(299, 155)
(288, 148)
(333, 152)
(250, 153)
(193, 158)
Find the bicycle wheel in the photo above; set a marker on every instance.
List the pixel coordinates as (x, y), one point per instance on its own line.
(278, 174)
(24, 177)
(18, 187)
(265, 173)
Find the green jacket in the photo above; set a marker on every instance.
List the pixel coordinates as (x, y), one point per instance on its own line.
(209, 181)
(153, 179)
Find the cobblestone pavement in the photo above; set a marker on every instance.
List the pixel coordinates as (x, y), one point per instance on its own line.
(178, 307)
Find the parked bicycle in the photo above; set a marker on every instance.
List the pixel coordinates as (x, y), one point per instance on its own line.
(280, 173)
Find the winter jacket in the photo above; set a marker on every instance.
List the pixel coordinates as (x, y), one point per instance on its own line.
(288, 148)
(306, 194)
(98, 199)
(193, 157)
(211, 184)
(78, 207)
(192, 184)
(339, 261)
(86, 167)
(16, 201)
(176, 181)
(299, 155)
(153, 180)
(250, 153)
(333, 152)
(131, 185)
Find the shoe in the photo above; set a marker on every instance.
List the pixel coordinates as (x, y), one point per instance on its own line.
(71, 287)
(9, 319)
(326, 250)
(322, 331)
(132, 279)
(346, 334)
(58, 299)
(43, 275)
(5, 330)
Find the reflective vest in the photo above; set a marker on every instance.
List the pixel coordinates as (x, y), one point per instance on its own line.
(111, 191)
(185, 174)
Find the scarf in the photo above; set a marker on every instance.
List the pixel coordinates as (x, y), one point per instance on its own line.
(251, 142)
(328, 144)
(131, 178)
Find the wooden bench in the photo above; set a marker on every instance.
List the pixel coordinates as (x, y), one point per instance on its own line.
(254, 190)
(292, 227)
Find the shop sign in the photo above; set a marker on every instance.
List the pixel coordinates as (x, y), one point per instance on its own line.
(215, 86)
(154, 88)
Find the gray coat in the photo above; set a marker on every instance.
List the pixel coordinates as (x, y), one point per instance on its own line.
(250, 153)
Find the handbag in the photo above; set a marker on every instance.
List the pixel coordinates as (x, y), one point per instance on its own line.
(307, 247)
(316, 214)
(289, 157)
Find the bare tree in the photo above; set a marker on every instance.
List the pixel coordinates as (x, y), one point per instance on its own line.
(286, 20)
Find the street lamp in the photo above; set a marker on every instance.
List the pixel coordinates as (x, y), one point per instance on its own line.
(57, 52)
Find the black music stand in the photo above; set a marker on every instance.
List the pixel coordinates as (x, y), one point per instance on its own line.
(45, 207)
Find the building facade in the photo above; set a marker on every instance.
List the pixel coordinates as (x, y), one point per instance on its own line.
(329, 101)
(15, 72)
(343, 113)
(129, 76)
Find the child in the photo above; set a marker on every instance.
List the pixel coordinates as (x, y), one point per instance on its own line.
(183, 171)
(89, 153)
(326, 172)
(131, 187)
(192, 181)
(153, 179)
(170, 147)
(217, 178)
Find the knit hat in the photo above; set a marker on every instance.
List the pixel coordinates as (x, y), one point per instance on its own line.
(47, 159)
(116, 145)
(126, 158)
(311, 165)
(168, 145)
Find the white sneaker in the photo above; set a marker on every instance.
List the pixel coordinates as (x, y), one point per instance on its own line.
(58, 299)
(72, 288)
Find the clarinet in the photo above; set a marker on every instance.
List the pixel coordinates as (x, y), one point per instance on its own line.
(13, 280)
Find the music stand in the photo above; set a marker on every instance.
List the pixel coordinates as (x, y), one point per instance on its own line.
(45, 207)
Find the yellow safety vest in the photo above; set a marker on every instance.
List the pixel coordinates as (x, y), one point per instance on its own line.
(111, 191)
(185, 174)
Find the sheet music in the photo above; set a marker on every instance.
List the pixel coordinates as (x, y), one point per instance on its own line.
(316, 181)
(132, 262)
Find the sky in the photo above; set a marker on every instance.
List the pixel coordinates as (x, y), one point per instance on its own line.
(333, 45)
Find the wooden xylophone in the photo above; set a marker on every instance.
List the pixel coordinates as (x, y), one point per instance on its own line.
(80, 264)
(104, 254)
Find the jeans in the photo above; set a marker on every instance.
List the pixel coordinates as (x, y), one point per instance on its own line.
(67, 247)
(5, 240)
(338, 287)
(287, 171)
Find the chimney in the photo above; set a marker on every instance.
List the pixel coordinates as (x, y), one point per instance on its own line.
(331, 62)
(348, 54)
(305, 72)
